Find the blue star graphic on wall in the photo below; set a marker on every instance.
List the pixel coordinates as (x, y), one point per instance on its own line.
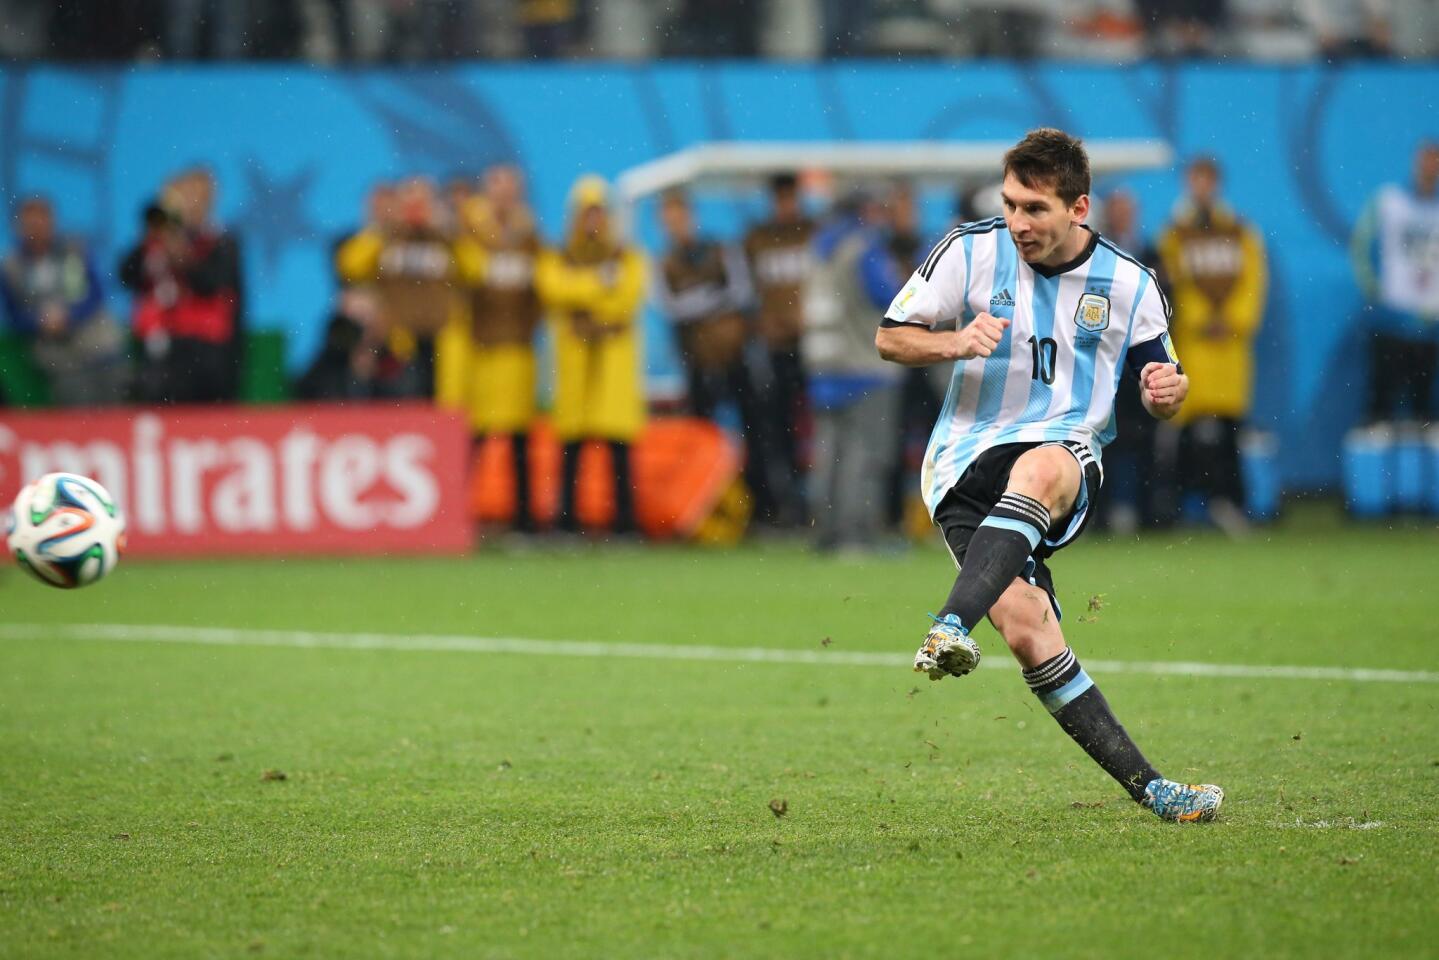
(274, 215)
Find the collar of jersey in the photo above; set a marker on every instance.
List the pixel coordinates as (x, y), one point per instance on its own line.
(1079, 260)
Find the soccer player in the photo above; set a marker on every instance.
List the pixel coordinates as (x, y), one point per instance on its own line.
(1049, 314)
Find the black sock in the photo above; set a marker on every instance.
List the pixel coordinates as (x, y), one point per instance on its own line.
(520, 447)
(1065, 689)
(996, 555)
(569, 480)
(624, 489)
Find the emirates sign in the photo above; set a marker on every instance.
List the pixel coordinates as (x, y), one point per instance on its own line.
(277, 480)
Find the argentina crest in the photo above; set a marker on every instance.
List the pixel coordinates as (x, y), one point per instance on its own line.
(1092, 314)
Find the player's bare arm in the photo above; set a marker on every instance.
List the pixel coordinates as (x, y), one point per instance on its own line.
(1162, 389)
(915, 346)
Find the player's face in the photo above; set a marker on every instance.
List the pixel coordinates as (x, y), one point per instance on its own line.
(594, 220)
(37, 224)
(504, 187)
(1203, 184)
(678, 223)
(1120, 214)
(786, 204)
(1426, 166)
(1039, 221)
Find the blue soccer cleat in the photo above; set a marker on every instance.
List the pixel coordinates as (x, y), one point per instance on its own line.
(947, 650)
(1183, 802)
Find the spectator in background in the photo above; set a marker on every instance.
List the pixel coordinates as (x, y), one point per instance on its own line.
(779, 257)
(714, 28)
(496, 382)
(1134, 491)
(703, 288)
(1348, 28)
(214, 256)
(421, 273)
(460, 189)
(855, 394)
(348, 366)
(1183, 28)
(1217, 271)
(54, 300)
(1010, 29)
(208, 29)
(845, 25)
(921, 395)
(381, 220)
(426, 30)
(593, 286)
(1395, 251)
(378, 371)
(185, 273)
(549, 28)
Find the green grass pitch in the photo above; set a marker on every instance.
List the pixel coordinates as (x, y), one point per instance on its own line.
(438, 804)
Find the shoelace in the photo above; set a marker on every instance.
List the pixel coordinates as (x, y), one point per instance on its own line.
(945, 622)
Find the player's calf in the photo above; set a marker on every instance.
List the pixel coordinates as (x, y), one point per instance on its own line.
(996, 555)
(1081, 711)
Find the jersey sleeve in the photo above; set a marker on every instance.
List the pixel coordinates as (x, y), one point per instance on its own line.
(1149, 333)
(935, 292)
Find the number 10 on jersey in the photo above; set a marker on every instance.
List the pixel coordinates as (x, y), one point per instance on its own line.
(1044, 353)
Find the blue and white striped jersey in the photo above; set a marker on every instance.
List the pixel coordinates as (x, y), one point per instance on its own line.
(1056, 370)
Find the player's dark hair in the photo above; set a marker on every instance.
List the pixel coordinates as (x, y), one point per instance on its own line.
(1206, 163)
(1050, 158)
(783, 183)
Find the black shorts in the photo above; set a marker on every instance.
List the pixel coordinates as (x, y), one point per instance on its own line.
(981, 485)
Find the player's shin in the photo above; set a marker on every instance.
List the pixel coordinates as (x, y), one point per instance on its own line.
(1081, 710)
(996, 555)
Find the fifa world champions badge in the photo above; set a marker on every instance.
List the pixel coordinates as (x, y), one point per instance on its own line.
(1092, 314)
(899, 309)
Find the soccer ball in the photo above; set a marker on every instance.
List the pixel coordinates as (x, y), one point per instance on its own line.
(65, 530)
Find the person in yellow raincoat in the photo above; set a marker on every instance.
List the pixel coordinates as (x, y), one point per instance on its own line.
(487, 366)
(1215, 264)
(421, 275)
(593, 286)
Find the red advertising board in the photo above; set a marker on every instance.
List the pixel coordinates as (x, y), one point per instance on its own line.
(277, 480)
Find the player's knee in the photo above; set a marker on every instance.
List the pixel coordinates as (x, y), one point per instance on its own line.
(1041, 476)
(1035, 477)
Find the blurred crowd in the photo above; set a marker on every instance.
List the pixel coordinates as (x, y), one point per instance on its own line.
(455, 292)
(369, 31)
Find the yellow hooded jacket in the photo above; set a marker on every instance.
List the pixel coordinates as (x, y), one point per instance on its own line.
(1218, 279)
(593, 288)
(485, 362)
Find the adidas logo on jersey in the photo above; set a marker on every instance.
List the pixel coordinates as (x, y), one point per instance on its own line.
(1002, 299)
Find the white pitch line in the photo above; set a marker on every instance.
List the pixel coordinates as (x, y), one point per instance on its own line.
(233, 637)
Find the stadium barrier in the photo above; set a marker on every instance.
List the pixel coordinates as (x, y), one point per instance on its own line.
(683, 468)
(262, 378)
(320, 479)
(260, 480)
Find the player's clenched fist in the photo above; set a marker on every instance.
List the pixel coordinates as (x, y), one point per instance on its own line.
(980, 336)
(1164, 388)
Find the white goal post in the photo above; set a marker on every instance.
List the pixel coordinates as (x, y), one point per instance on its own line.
(747, 165)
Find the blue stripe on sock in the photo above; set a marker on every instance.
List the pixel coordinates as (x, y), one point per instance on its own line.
(1056, 700)
(1026, 530)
